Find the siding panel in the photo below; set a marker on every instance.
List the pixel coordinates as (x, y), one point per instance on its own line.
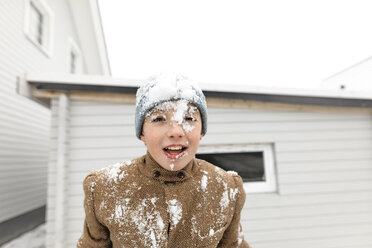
(24, 124)
(323, 162)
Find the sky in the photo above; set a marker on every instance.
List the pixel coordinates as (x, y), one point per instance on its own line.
(280, 43)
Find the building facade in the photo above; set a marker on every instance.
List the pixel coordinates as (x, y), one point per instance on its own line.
(315, 144)
(37, 36)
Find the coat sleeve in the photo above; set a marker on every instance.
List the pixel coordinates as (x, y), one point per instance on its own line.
(233, 236)
(95, 235)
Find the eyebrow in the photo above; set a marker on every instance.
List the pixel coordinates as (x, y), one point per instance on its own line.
(157, 112)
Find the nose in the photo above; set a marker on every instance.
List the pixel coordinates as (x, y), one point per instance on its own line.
(175, 130)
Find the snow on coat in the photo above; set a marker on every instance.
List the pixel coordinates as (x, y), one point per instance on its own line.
(140, 204)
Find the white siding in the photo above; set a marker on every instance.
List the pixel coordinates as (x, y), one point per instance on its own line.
(99, 134)
(323, 162)
(324, 167)
(24, 124)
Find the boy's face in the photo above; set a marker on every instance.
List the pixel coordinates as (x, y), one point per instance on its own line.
(172, 132)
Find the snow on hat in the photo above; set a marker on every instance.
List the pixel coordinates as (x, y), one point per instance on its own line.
(163, 88)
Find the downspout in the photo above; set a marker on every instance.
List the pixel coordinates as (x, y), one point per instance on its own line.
(60, 171)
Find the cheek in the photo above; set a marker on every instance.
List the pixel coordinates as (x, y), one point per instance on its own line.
(196, 135)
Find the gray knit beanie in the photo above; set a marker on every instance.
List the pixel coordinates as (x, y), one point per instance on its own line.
(163, 88)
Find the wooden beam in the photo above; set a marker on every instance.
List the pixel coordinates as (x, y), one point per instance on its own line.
(248, 104)
(211, 102)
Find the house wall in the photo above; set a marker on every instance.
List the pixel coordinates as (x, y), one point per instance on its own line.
(323, 163)
(98, 134)
(324, 168)
(25, 124)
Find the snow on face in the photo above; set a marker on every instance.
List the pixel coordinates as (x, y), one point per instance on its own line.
(163, 88)
(182, 113)
(166, 117)
(173, 123)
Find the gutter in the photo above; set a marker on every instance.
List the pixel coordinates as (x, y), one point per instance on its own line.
(319, 100)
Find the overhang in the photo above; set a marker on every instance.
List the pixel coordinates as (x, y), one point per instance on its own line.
(108, 85)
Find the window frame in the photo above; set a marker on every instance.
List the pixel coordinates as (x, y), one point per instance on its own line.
(270, 184)
(73, 48)
(46, 45)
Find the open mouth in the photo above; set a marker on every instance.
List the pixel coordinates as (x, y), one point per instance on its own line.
(174, 151)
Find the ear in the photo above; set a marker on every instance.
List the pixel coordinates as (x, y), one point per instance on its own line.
(143, 138)
(201, 135)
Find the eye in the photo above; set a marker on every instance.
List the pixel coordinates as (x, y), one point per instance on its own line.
(158, 119)
(190, 118)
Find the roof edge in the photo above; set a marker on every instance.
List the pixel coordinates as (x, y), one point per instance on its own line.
(86, 83)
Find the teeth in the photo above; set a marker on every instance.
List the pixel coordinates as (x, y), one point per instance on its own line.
(174, 148)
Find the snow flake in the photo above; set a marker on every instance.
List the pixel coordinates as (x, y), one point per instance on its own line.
(233, 193)
(102, 205)
(92, 186)
(240, 236)
(204, 182)
(232, 173)
(115, 172)
(219, 172)
(147, 221)
(168, 86)
(175, 211)
(224, 202)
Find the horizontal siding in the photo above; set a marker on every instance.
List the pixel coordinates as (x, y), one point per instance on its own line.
(324, 167)
(109, 128)
(320, 233)
(25, 124)
(24, 140)
(323, 164)
(308, 166)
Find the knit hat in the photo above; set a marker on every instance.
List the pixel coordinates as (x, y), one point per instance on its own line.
(163, 88)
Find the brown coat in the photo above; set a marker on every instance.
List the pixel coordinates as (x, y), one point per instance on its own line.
(140, 204)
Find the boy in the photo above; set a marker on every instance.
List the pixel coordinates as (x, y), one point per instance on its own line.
(166, 198)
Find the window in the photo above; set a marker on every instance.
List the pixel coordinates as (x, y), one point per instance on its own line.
(38, 24)
(72, 62)
(253, 162)
(75, 63)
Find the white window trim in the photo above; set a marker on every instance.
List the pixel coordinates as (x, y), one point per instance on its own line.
(48, 28)
(73, 47)
(270, 185)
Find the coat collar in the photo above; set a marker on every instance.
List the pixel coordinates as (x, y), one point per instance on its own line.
(152, 169)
